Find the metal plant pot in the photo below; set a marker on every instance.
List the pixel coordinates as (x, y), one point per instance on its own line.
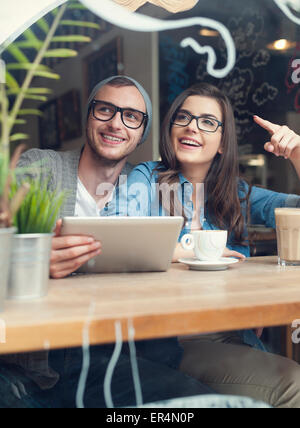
(6, 237)
(30, 265)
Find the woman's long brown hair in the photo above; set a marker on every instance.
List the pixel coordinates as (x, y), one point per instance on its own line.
(221, 185)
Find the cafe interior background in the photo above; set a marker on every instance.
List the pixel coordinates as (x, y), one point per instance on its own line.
(262, 81)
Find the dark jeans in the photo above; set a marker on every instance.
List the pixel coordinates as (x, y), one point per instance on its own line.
(157, 363)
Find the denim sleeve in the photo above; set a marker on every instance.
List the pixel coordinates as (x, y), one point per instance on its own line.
(264, 202)
(133, 196)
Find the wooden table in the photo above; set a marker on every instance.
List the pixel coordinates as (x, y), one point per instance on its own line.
(251, 294)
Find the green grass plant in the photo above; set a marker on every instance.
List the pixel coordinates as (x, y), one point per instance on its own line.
(39, 210)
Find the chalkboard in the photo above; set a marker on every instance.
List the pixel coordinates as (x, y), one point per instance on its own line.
(262, 81)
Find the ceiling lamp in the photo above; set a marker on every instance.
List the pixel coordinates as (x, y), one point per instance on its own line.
(206, 32)
(173, 6)
(282, 45)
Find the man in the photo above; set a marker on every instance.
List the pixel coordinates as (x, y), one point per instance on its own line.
(119, 114)
(111, 137)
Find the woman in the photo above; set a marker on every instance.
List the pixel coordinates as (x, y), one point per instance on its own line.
(199, 148)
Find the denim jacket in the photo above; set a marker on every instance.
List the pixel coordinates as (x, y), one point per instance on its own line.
(139, 197)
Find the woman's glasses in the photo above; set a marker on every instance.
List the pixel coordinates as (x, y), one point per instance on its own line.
(105, 112)
(205, 123)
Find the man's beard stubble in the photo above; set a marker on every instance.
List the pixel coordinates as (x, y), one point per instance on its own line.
(104, 161)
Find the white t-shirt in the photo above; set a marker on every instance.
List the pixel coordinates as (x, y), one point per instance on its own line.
(86, 205)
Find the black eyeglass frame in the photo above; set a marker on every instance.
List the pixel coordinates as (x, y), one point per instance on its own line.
(121, 111)
(192, 117)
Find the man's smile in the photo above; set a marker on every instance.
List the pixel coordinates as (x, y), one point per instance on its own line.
(112, 139)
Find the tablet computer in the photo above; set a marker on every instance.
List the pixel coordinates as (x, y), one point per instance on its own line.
(129, 244)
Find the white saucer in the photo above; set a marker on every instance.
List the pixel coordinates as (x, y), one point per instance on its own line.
(222, 264)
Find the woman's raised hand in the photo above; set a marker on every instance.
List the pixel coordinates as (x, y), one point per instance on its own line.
(284, 142)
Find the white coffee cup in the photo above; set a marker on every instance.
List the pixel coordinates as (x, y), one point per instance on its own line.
(207, 244)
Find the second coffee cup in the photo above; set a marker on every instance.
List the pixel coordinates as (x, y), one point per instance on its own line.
(207, 244)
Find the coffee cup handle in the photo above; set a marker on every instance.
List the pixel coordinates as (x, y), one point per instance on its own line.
(188, 242)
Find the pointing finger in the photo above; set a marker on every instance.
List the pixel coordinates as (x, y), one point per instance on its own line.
(268, 126)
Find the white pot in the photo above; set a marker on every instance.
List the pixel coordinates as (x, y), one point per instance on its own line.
(6, 237)
(30, 265)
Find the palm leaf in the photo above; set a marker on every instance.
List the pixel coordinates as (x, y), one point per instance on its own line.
(35, 97)
(20, 122)
(37, 91)
(43, 25)
(27, 44)
(18, 137)
(29, 111)
(47, 75)
(73, 6)
(60, 53)
(71, 38)
(11, 81)
(17, 53)
(31, 38)
(27, 66)
(70, 23)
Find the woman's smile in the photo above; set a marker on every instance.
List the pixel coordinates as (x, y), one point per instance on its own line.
(188, 143)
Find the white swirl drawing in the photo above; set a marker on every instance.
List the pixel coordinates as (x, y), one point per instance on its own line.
(121, 17)
(286, 5)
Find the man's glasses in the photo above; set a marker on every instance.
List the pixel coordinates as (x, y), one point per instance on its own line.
(205, 123)
(105, 112)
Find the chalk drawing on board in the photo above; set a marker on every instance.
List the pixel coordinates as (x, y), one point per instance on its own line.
(121, 17)
(175, 75)
(238, 86)
(261, 59)
(264, 93)
(246, 32)
(244, 121)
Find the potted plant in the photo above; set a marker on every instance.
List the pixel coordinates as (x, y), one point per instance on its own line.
(8, 206)
(31, 248)
(16, 87)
